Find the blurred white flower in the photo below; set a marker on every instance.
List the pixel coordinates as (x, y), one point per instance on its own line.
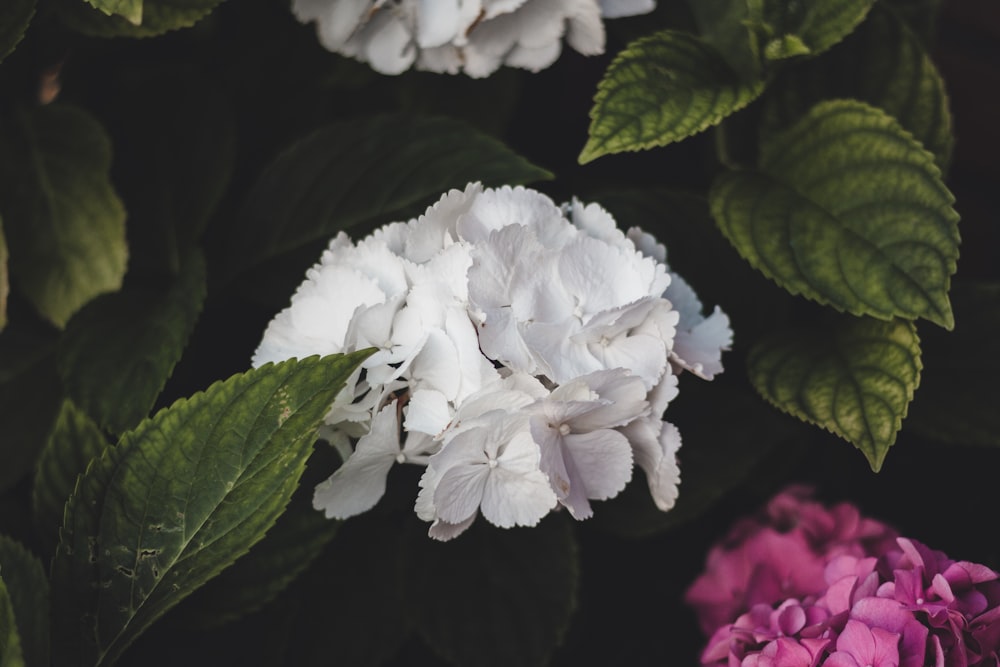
(471, 36)
(525, 354)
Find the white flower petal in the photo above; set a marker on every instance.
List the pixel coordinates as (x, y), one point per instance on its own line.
(585, 30)
(517, 492)
(444, 531)
(388, 47)
(359, 483)
(438, 22)
(428, 411)
(459, 491)
(612, 9)
(655, 445)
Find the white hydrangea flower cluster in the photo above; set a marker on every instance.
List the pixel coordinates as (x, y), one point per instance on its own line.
(526, 353)
(471, 36)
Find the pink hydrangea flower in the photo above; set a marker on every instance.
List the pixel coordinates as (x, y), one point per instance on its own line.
(805, 586)
(781, 553)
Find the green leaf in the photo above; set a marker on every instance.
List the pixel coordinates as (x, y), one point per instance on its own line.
(75, 440)
(809, 26)
(15, 16)
(958, 394)
(847, 210)
(747, 34)
(920, 15)
(65, 225)
(155, 16)
(295, 541)
(28, 588)
(10, 641)
(360, 171)
(661, 89)
(882, 63)
(180, 498)
(524, 580)
(855, 379)
(130, 10)
(153, 322)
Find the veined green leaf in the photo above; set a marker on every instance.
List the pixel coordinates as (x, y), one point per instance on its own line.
(661, 89)
(65, 225)
(747, 34)
(882, 63)
(726, 25)
(15, 16)
(847, 210)
(153, 322)
(808, 26)
(130, 10)
(295, 541)
(856, 380)
(28, 588)
(180, 498)
(526, 577)
(75, 440)
(155, 17)
(10, 641)
(356, 171)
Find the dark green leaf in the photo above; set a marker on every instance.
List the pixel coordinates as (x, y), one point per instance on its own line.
(728, 27)
(130, 10)
(808, 26)
(855, 379)
(10, 641)
(180, 498)
(28, 587)
(847, 210)
(156, 16)
(749, 33)
(958, 397)
(75, 440)
(151, 321)
(493, 597)
(295, 541)
(15, 16)
(881, 63)
(661, 89)
(920, 15)
(65, 225)
(358, 171)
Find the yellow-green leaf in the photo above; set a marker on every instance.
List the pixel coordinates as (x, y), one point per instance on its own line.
(130, 10)
(849, 210)
(855, 379)
(65, 224)
(661, 89)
